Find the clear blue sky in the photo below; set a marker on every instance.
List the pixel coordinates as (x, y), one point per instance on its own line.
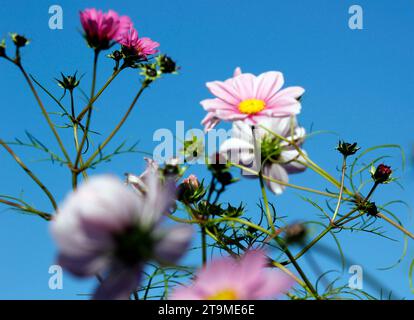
(358, 84)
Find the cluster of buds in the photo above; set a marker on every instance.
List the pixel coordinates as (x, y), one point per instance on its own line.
(347, 149)
(220, 169)
(206, 209)
(382, 174)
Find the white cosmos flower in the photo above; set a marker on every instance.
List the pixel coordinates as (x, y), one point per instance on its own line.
(105, 228)
(278, 157)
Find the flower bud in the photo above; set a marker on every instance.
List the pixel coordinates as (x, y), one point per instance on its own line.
(382, 174)
(116, 55)
(167, 65)
(19, 41)
(218, 162)
(295, 233)
(192, 182)
(225, 178)
(347, 149)
(68, 82)
(190, 190)
(371, 209)
(2, 48)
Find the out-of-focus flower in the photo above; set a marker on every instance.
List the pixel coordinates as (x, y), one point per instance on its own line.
(250, 98)
(192, 181)
(295, 233)
(105, 228)
(136, 46)
(279, 158)
(138, 183)
(229, 279)
(103, 28)
(382, 174)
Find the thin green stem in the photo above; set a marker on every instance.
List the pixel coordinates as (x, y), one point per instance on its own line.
(30, 173)
(309, 163)
(44, 112)
(272, 226)
(93, 100)
(116, 129)
(286, 184)
(262, 186)
(396, 225)
(88, 121)
(42, 214)
(341, 190)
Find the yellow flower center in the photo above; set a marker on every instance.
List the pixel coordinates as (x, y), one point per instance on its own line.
(251, 106)
(224, 295)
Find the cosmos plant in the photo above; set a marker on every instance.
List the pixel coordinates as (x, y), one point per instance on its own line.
(133, 234)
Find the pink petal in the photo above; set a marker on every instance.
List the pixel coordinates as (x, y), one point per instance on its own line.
(293, 92)
(237, 72)
(173, 244)
(215, 104)
(268, 84)
(274, 283)
(224, 91)
(119, 284)
(244, 85)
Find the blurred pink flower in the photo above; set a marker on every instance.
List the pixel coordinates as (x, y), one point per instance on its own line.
(101, 29)
(142, 47)
(138, 183)
(228, 279)
(278, 157)
(105, 228)
(250, 98)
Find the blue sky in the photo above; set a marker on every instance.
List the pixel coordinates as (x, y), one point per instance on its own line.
(358, 85)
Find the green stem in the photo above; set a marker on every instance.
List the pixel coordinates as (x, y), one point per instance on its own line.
(44, 112)
(89, 105)
(298, 269)
(116, 129)
(341, 190)
(88, 121)
(42, 214)
(271, 224)
(203, 227)
(286, 184)
(262, 186)
(30, 173)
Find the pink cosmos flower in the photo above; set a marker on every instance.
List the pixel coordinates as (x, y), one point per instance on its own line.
(142, 47)
(105, 228)
(228, 279)
(102, 28)
(279, 158)
(250, 98)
